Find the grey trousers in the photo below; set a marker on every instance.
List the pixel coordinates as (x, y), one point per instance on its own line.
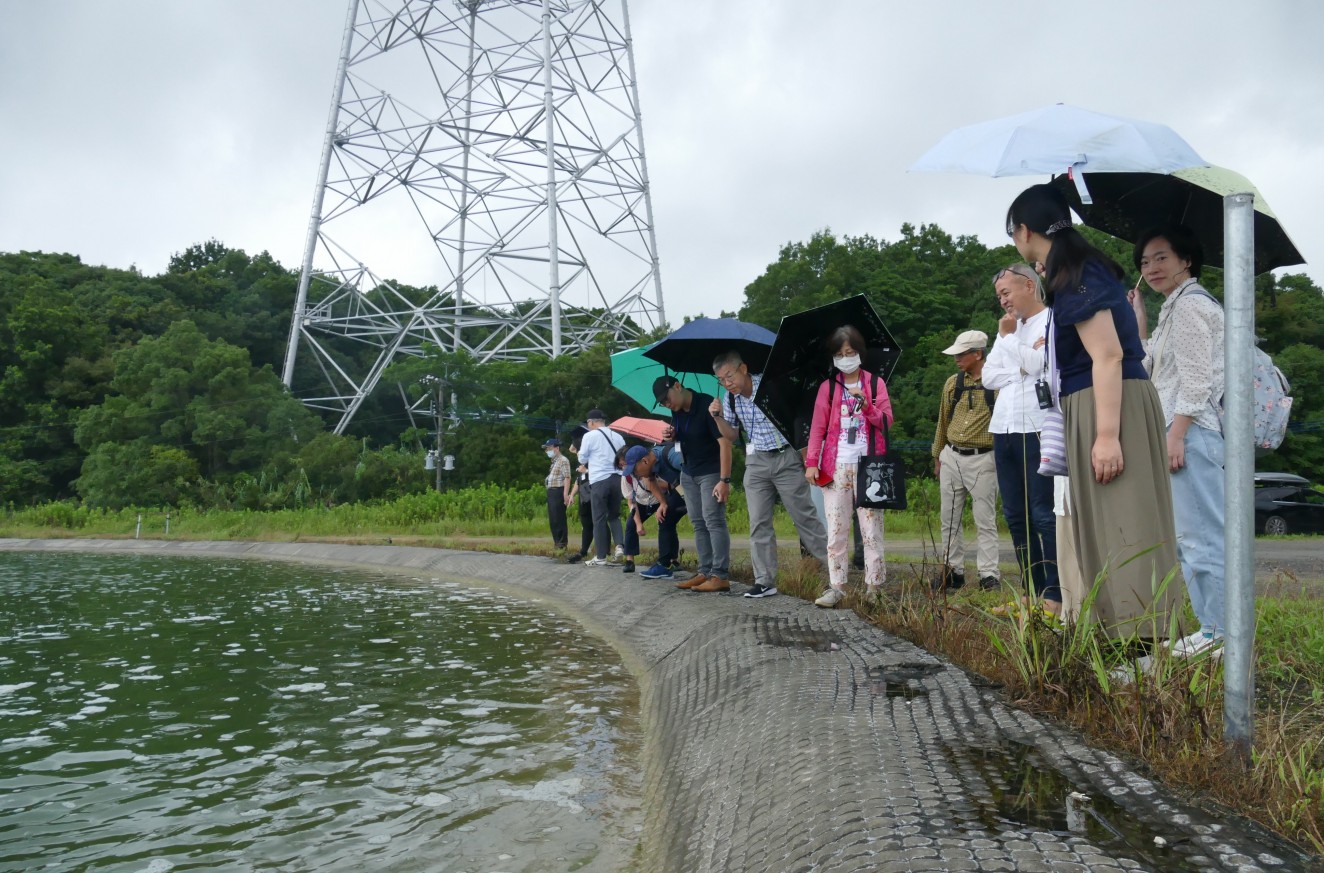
(606, 513)
(712, 540)
(768, 474)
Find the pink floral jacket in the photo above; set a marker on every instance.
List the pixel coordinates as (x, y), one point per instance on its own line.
(825, 431)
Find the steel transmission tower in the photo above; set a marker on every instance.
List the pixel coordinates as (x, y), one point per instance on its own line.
(503, 138)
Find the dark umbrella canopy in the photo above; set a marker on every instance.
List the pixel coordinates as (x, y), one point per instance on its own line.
(1128, 204)
(799, 361)
(692, 347)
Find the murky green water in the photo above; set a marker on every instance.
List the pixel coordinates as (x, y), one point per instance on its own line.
(174, 714)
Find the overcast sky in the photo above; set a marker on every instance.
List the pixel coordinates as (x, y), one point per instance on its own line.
(132, 129)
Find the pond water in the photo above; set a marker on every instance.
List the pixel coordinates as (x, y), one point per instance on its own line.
(162, 714)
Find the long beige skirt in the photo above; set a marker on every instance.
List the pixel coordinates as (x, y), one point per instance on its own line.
(1125, 530)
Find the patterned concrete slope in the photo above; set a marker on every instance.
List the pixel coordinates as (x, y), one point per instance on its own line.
(786, 738)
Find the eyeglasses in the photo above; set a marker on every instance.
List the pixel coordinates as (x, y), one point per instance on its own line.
(728, 378)
(1013, 270)
(1011, 230)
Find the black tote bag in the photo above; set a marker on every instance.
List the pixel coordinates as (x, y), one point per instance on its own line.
(880, 480)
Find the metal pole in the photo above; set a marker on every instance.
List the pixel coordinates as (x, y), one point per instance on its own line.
(138, 531)
(643, 162)
(549, 110)
(315, 223)
(464, 189)
(1239, 470)
(440, 387)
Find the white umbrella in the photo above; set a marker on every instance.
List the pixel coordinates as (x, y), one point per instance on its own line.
(1060, 139)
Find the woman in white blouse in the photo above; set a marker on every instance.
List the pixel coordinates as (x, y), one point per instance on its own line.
(1185, 361)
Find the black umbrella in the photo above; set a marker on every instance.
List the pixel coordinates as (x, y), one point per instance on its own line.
(692, 347)
(799, 361)
(1127, 204)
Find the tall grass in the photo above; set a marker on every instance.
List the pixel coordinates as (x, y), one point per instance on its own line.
(479, 511)
(1139, 699)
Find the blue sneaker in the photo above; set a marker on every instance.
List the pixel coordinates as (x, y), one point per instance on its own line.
(657, 571)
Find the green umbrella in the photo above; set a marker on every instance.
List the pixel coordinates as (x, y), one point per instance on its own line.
(633, 374)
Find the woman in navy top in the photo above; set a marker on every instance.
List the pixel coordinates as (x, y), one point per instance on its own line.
(1116, 456)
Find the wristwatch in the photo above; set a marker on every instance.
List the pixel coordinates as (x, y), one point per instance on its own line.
(726, 479)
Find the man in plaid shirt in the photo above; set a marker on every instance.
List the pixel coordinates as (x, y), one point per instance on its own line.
(772, 467)
(558, 492)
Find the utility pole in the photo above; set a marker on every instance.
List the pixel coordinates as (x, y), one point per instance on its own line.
(436, 386)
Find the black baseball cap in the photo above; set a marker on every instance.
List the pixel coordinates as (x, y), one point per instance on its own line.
(661, 385)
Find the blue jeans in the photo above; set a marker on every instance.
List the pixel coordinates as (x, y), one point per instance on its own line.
(1197, 505)
(1027, 504)
(668, 541)
(711, 538)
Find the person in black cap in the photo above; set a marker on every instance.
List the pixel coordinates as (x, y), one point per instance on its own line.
(705, 479)
(597, 454)
(558, 492)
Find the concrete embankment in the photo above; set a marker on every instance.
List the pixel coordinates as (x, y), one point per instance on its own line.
(781, 737)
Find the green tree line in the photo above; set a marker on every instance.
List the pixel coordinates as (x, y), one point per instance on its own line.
(121, 389)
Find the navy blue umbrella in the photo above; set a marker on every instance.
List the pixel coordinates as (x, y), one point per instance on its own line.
(692, 347)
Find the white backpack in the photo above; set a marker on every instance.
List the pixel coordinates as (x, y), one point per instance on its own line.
(1273, 404)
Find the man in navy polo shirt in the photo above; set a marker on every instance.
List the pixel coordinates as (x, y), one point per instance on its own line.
(705, 480)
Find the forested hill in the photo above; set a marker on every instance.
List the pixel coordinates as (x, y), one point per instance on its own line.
(119, 388)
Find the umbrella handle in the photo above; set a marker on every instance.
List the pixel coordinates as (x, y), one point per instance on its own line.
(1077, 175)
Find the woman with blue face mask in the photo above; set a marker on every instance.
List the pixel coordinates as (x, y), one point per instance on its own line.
(850, 412)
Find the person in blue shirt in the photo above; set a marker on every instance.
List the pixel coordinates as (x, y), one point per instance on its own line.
(1116, 446)
(649, 482)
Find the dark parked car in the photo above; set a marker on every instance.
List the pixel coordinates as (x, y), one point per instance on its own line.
(1286, 503)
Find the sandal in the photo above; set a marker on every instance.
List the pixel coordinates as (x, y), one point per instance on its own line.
(1011, 608)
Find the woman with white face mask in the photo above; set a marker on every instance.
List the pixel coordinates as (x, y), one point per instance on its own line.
(850, 413)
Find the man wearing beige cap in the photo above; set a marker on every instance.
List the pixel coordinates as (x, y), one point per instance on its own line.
(963, 463)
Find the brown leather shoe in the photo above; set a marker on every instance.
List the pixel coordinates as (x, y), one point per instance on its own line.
(713, 584)
(695, 580)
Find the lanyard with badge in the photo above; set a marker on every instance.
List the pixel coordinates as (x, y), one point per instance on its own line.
(851, 406)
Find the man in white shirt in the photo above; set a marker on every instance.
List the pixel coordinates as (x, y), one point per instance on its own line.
(597, 454)
(1017, 365)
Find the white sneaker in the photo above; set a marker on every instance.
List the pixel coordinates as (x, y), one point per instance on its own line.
(1190, 646)
(620, 552)
(1179, 644)
(597, 562)
(1126, 674)
(830, 598)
